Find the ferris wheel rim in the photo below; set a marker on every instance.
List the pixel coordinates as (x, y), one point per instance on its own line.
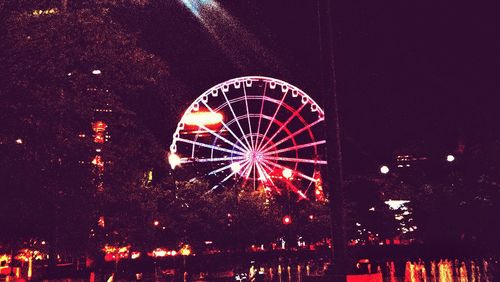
(241, 145)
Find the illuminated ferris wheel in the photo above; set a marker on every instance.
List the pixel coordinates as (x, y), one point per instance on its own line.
(255, 131)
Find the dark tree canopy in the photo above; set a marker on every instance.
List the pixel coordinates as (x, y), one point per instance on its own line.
(51, 91)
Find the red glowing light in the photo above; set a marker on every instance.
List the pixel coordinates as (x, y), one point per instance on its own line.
(287, 220)
(318, 188)
(97, 161)
(101, 222)
(202, 118)
(99, 138)
(185, 250)
(99, 126)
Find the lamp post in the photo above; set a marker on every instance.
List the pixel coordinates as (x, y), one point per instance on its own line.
(287, 219)
(334, 151)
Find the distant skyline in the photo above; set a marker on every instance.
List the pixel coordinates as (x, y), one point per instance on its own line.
(409, 74)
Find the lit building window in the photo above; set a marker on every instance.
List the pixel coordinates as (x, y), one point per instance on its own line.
(50, 11)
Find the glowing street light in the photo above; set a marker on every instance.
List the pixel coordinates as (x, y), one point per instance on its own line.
(185, 250)
(156, 223)
(96, 72)
(287, 220)
(384, 169)
(396, 204)
(174, 160)
(450, 158)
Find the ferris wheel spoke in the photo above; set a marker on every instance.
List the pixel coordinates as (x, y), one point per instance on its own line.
(264, 166)
(210, 146)
(204, 160)
(288, 137)
(242, 163)
(298, 173)
(270, 121)
(261, 112)
(258, 168)
(248, 170)
(221, 137)
(298, 160)
(248, 116)
(296, 190)
(243, 135)
(295, 113)
(296, 147)
(229, 130)
(227, 177)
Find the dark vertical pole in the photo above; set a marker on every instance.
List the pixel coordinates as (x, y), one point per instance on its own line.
(64, 5)
(334, 151)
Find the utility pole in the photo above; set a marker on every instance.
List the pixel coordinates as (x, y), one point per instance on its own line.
(338, 269)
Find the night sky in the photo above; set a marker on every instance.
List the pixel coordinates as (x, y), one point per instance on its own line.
(412, 75)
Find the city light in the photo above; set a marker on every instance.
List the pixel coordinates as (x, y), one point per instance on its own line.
(101, 222)
(450, 158)
(50, 11)
(384, 169)
(113, 253)
(156, 223)
(96, 72)
(162, 252)
(396, 204)
(19, 141)
(185, 250)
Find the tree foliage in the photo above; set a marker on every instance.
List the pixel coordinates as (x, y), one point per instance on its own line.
(50, 94)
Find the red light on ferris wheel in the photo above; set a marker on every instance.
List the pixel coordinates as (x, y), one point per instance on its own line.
(99, 126)
(202, 118)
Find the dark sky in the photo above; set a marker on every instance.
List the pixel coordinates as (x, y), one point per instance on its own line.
(411, 74)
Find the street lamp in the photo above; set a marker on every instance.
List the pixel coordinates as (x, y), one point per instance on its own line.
(384, 169)
(450, 158)
(287, 220)
(174, 160)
